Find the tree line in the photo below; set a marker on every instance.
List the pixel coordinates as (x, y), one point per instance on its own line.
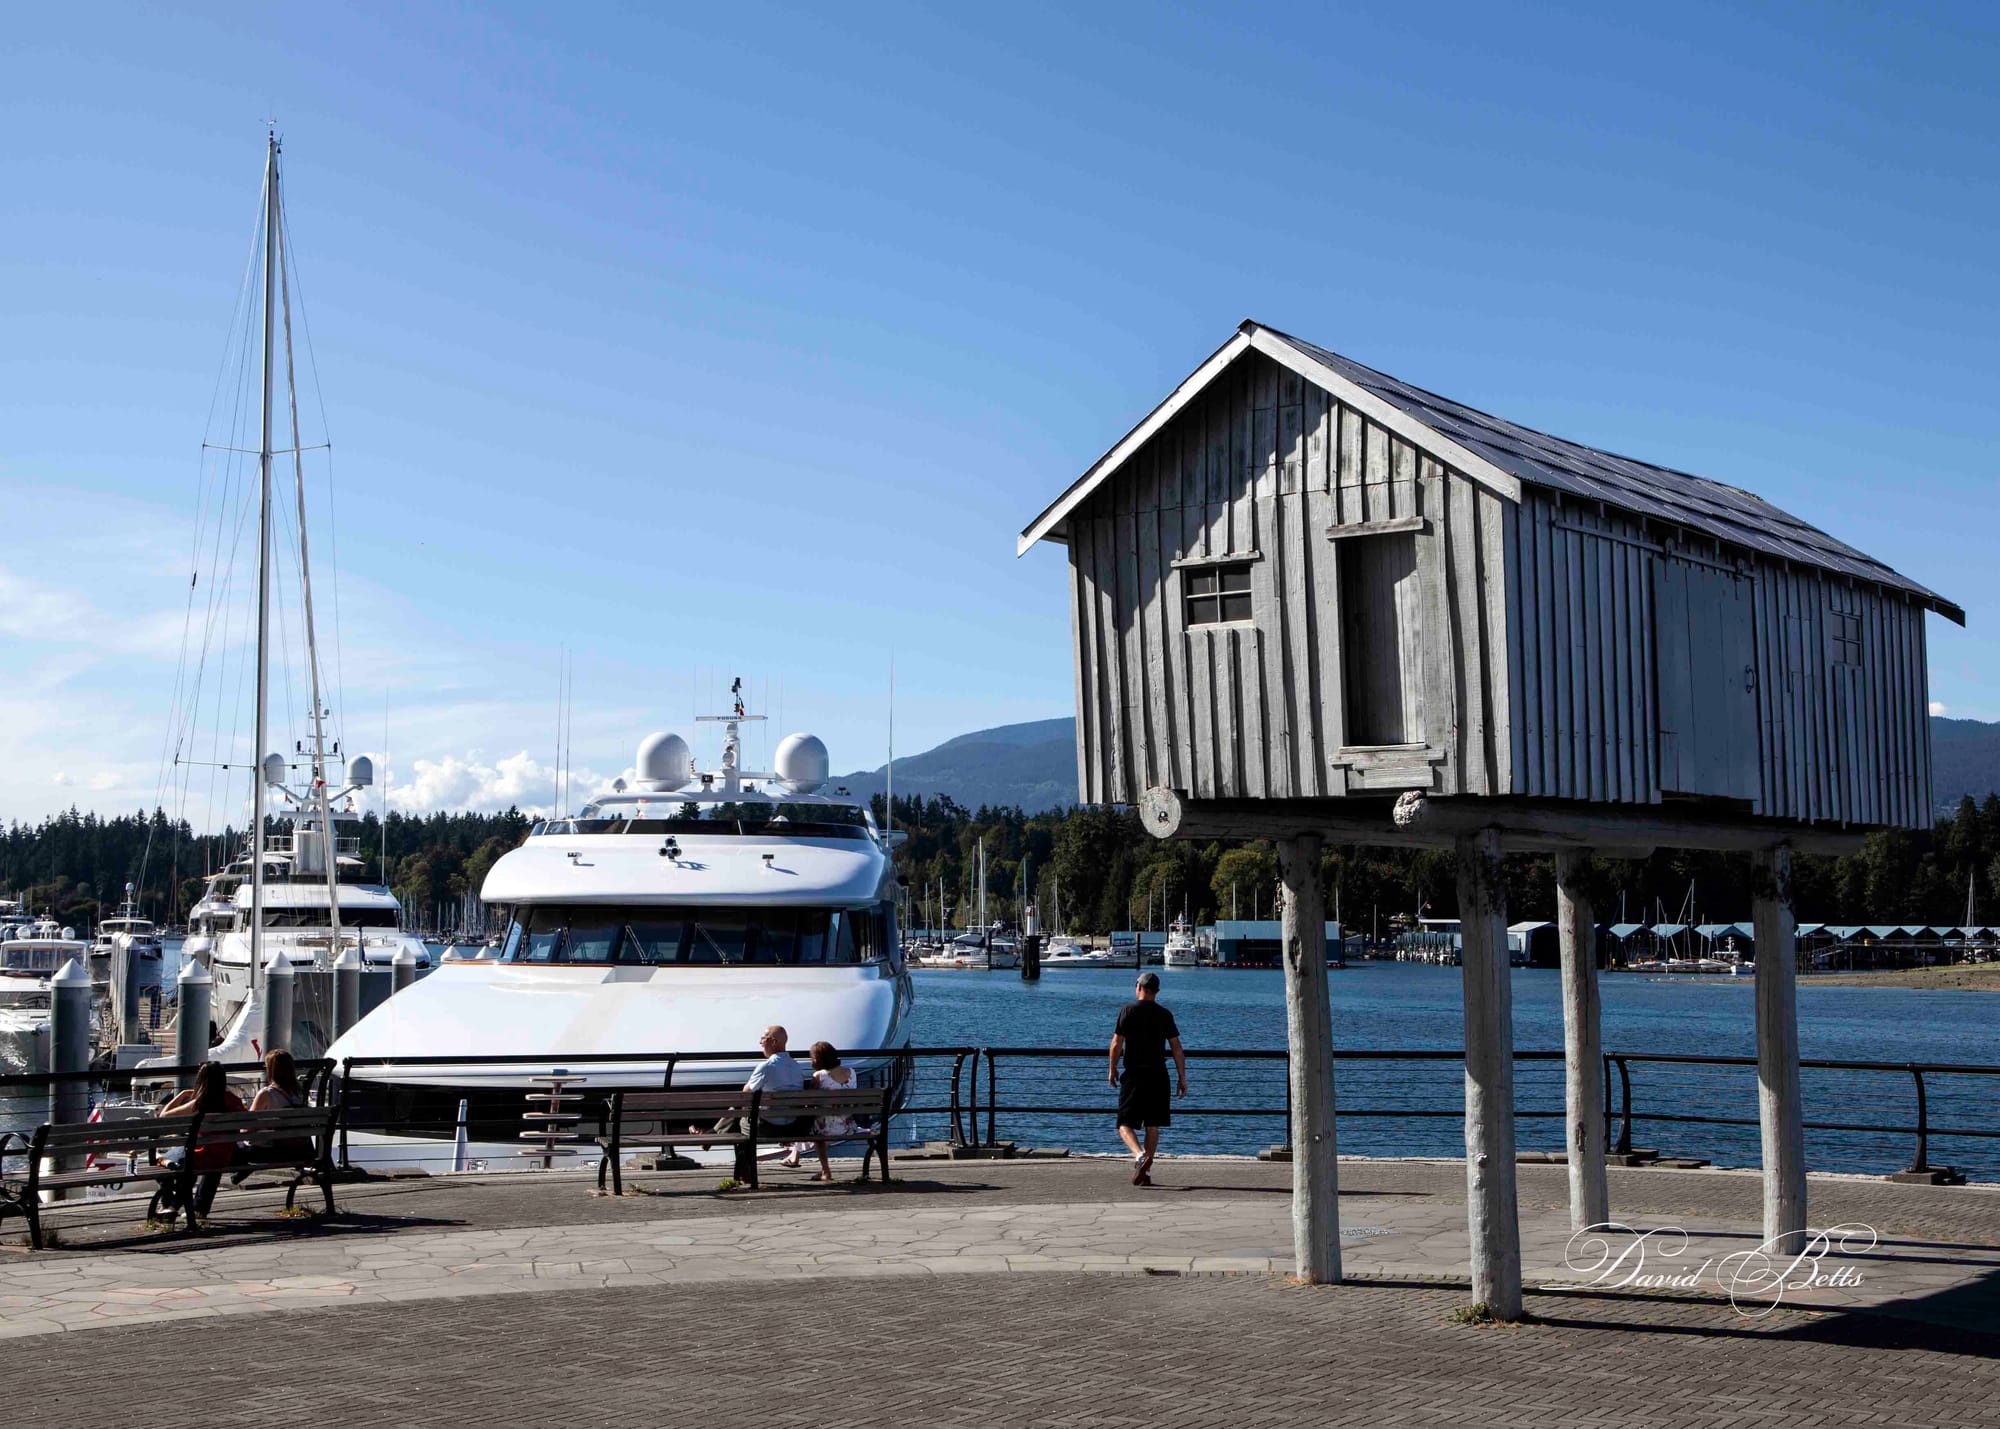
(1095, 868)
(74, 865)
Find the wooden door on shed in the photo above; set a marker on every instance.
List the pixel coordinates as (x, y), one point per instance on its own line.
(1704, 643)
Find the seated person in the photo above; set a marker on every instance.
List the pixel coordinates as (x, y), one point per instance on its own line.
(778, 1072)
(210, 1093)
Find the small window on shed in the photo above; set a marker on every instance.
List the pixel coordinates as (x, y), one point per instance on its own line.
(1843, 634)
(1217, 593)
(1381, 644)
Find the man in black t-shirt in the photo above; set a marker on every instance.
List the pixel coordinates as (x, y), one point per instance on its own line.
(1145, 1034)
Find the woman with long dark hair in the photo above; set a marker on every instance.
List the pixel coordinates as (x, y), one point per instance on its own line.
(210, 1093)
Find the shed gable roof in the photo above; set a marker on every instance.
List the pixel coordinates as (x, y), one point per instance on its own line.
(1502, 454)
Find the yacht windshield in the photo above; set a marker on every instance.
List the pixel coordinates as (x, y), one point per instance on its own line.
(747, 816)
(715, 937)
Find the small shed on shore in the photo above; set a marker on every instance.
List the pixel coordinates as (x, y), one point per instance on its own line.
(1311, 602)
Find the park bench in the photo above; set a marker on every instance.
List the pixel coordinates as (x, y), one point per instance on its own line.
(662, 1121)
(162, 1150)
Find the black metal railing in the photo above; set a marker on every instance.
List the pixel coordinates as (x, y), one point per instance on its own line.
(1920, 1128)
(986, 1095)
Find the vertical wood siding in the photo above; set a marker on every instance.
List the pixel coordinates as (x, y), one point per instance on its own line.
(1557, 670)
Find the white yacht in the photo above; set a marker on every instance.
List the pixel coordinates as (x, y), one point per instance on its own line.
(35, 948)
(1066, 952)
(680, 916)
(31, 951)
(296, 922)
(122, 932)
(1181, 950)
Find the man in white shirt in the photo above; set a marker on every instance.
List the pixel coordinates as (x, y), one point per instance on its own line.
(778, 1072)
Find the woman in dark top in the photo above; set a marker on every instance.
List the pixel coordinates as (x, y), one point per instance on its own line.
(210, 1093)
(1145, 1034)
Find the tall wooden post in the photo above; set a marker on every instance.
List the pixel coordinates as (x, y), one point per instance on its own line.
(1309, 1035)
(1779, 1112)
(1489, 1076)
(1583, 1047)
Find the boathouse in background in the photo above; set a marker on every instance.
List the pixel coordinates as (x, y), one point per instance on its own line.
(1315, 604)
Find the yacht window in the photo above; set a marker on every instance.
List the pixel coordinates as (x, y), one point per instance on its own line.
(720, 936)
(652, 940)
(316, 918)
(591, 939)
(711, 937)
(544, 938)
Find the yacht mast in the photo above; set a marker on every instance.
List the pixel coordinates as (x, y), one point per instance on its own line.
(263, 570)
(321, 790)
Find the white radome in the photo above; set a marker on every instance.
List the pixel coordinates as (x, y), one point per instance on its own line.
(664, 761)
(361, 771)
(802, 764)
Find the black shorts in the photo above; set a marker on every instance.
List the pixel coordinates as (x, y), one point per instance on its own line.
(1144, 1098)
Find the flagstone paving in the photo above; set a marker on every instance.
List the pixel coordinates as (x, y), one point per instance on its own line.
(426, 1240)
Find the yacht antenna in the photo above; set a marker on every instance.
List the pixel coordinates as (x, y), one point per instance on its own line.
(889, 778)
(385, 800)
(320, 788)
(263, 570)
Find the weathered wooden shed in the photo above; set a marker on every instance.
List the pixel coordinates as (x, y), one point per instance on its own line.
(1302, 589)
(1301, 578)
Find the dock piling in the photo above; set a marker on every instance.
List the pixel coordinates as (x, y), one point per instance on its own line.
(1491, 1202)
(346, 991)
(1583, 1047)
(196, 995)
(279, 983)
(1309, 1032)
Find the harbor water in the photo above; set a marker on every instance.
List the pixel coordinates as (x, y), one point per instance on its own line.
(1409, 1006)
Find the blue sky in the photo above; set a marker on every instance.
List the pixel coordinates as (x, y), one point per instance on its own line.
(743, 340)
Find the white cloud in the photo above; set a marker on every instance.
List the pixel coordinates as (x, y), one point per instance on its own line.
(471, 782)
(1937, 707)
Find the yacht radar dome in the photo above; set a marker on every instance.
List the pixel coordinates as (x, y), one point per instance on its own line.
(274, 768)
(802, 763)
(664, 762)
(361, 771)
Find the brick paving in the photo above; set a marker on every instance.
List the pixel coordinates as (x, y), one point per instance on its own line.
(1048, 1293)
(1064, 1351)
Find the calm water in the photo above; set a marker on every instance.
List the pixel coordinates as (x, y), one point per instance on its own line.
(1409, 1006)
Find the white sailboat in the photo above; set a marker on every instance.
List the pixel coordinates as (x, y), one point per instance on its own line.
(287, 895)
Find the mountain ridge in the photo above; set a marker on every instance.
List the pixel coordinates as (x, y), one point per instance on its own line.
(1033, 765)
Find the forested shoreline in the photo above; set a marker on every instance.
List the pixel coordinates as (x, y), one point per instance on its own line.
(1107, 872)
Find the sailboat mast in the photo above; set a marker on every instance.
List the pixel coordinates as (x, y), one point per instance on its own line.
(321, 789)
(263, 568)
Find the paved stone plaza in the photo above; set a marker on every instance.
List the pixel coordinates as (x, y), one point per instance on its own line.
(1040, 1292)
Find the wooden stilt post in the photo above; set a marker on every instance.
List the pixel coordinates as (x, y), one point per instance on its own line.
(1779, 1112)
(1309, 1034)
(1489, 1077)
(1583, 1047)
